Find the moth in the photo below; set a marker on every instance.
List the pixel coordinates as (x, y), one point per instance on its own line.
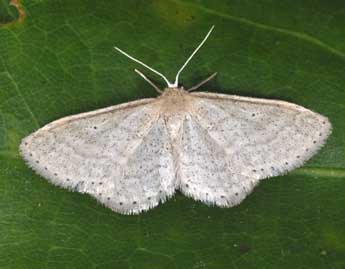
(212, 147)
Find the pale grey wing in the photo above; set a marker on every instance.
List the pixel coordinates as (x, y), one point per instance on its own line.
(237, 141)
(120, 155)
(204, 170)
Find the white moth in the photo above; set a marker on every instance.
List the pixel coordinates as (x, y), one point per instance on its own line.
(212, 147)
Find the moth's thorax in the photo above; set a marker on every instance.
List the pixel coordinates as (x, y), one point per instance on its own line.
(175, 100)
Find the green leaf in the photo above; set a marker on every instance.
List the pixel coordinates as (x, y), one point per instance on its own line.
(57, 59)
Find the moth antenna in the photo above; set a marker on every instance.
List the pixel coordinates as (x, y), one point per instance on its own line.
(191, 56)
(145, 65)
(149, 81)
(202, 82)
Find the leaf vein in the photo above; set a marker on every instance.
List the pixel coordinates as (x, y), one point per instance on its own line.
(300, 35)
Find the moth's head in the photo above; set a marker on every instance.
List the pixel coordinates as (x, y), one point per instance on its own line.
(174, 91)
(172, 87)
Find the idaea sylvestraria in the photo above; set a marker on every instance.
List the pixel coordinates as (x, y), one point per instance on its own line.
(212, 147)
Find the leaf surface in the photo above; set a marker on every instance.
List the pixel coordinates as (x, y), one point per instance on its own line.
(57, 59)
